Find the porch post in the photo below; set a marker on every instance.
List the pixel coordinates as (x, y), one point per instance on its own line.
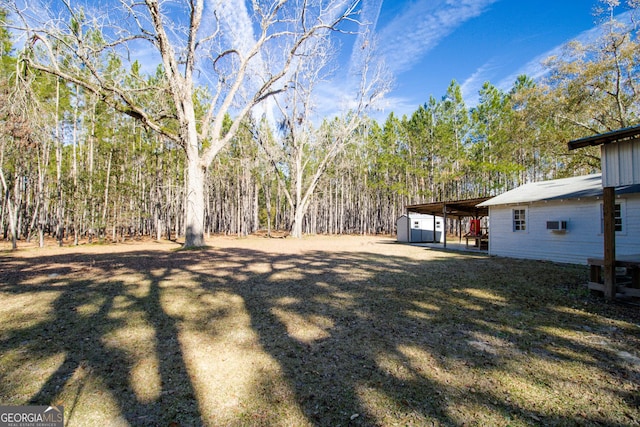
(609, 196)
(444, 212)
(434, 228)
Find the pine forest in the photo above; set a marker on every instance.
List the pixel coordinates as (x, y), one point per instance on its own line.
(78, 163)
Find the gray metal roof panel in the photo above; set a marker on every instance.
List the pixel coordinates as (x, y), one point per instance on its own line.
(564, 188)
(557, 189)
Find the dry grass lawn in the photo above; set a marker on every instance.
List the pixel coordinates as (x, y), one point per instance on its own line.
(324, 331)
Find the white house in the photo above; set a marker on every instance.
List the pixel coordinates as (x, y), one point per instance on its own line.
(419, 228)
(561, 220)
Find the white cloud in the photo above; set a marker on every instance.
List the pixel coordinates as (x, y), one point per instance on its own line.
(472, 85)
(238, 28)
(535, 69)
(369, 15)
(396, 104)
(331, 97)
(341, 91)
(421, 26)
(402, 42)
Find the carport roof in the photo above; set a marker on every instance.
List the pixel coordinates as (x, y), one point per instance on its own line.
(459, 208)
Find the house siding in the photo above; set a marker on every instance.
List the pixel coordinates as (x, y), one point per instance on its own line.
(583, 238)
(621, 163)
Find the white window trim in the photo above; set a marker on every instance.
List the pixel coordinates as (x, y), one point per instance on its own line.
(623, 216)
(527, 221)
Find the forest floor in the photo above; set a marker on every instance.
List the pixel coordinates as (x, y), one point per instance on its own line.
(321, 331)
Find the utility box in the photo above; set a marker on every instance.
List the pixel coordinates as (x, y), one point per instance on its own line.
(420, 228)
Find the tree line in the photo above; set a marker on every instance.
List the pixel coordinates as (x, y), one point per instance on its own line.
(76, 165)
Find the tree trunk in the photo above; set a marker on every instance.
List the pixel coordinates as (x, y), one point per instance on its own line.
(107, 180)
(59, 206)
(12, 211)
(296, 226)
(267, 203)
(74, 171)
(194, 210)
(12, 224)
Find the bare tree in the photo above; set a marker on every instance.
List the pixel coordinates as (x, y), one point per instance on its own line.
(303, 152)
(243, 57)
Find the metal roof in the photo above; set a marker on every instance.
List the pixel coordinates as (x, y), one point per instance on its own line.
(459, 208)
(557, 189)
(606, 138)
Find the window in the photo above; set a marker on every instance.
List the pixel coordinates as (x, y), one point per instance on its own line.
(618, 217)
(519, 220)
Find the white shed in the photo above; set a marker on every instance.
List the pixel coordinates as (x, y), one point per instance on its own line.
(561, 220)
(419, 228)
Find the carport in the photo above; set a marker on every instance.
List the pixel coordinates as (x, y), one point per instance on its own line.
(457, 209)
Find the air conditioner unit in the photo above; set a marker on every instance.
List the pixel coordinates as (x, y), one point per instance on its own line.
(557, 225)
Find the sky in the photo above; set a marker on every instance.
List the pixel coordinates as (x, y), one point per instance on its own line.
(428, 43)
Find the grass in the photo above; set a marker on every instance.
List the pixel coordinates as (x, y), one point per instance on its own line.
(325, 331)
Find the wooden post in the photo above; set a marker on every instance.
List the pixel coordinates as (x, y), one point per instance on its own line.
(434, 228)
(444, 212)
(609, 202)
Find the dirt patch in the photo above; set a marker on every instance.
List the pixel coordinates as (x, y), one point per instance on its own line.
(317, 331)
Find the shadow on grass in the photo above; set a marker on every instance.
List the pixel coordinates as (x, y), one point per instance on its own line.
(88, 311)
(244, 337)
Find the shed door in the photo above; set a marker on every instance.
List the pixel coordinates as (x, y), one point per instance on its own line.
(427, 235)
(416, 232)
(420, 230)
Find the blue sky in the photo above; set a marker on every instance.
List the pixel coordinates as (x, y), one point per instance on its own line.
(427, 43)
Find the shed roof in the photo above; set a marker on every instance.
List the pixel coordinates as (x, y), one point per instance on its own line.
(459, 208)
(606, 138)
(557, 189)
